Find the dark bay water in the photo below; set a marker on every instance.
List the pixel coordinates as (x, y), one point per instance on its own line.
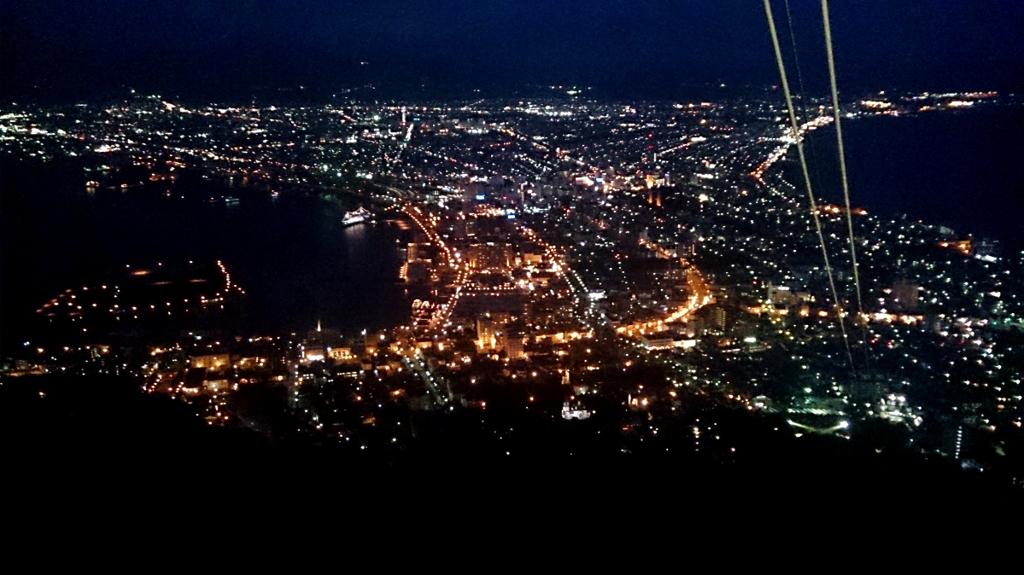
(292, 255)
(960, 169)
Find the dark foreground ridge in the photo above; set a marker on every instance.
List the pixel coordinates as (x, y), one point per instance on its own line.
(77, 445)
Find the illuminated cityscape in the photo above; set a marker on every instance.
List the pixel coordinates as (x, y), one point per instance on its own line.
(515, 280)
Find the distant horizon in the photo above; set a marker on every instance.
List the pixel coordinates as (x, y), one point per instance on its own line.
(303, 95)
(230, 50)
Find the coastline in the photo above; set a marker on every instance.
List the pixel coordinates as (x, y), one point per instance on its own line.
(953, 169)
(296, 260)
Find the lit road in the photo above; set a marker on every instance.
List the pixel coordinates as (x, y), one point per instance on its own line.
(700, 296)
(437, 389)
(427, 223)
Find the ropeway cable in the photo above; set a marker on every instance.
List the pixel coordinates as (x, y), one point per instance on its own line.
(842, 161)
(807, 178)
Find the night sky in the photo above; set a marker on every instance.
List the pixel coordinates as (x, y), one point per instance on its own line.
(209, 49)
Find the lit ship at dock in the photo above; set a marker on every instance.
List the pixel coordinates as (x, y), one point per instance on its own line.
(360, 215)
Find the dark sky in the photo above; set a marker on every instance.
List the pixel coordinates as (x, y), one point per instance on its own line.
(237, 48)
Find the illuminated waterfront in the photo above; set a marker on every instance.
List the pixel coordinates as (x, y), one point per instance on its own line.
(293, 255)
